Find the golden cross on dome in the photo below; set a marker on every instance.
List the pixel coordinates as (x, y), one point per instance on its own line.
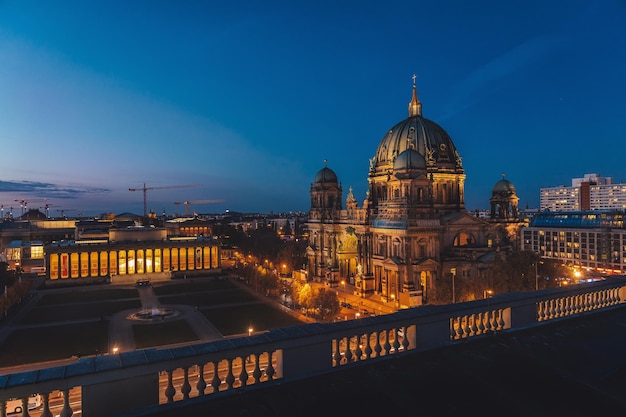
(414, 77)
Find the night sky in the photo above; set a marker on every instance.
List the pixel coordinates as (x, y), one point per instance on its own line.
(245, 100)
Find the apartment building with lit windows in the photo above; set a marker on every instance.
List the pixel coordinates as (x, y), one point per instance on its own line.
(592, 192)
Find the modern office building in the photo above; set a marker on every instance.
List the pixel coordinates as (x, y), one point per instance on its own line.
(412, 230)
(592, 192)
(593, 239)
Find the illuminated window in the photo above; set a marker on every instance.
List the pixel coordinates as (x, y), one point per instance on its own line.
(54, 266)
(122, 263)
(84, 264)
(74, 264)
(94, 263)
(36, 252)
(130, 262)
(113, 263)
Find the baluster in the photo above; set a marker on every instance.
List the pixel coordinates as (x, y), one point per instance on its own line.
(473, 327)
(216, 381)
(201, 384)
(558, 311)
(25, 407)
(481, 326)
(230, 377)
(170, 391)
(377, 347)
(359, 351)
(67, 410)
(337, 353)
(488, 326)
(466, 326)
(458, 328)
(243, 375)
(551, 309)
(405, 339)
(539, 308)
(579, 301)
(257, 373)
(368, 347)
(186, 387)
(45, 412)
(501, 322)
(270, 371)
(396, 342)
(387, 345)
(570, 306)
(348, 351)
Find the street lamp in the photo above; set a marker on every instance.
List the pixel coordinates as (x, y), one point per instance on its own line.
(453, 272)
(115, 350)
(250, 330)
(487, 293)
(343, 284)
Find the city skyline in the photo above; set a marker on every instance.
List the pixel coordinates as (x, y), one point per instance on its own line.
(248, 100)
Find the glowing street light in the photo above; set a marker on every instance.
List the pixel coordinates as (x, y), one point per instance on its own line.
(115, 350)
(250, 330)
(343, 284)
(487, 293)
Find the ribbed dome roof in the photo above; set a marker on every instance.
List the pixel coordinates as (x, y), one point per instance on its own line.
(503, 185)
(426, 137)
(409, 164)
(325, 175)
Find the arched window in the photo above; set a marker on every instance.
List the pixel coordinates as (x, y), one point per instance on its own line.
(464, 239)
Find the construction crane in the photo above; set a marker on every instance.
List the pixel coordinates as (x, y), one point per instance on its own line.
(63, 211)
(24, 203)
(144, 189)
(188, 203)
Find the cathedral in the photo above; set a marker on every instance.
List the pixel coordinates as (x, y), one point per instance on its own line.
(412, 233)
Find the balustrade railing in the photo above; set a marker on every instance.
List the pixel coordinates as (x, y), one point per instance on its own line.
(122, 382)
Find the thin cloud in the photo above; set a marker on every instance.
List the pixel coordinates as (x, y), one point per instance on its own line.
(48, 190)
(474, 88)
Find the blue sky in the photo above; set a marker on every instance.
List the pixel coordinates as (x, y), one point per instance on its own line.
(246, 100)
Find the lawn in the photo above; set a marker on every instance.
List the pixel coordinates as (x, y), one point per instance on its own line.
(83, 295)
(78, 311)
(232, 320)
(48, 343)
(232, 310)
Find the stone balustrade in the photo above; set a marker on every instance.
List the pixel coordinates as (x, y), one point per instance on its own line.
(138, 381)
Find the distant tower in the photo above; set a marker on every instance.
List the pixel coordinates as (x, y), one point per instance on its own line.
(504, 201)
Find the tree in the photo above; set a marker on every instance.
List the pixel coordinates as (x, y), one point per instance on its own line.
(327, 303)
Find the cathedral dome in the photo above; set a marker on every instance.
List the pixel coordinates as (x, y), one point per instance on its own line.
(325, 175)
(409, 164)
(426, 137)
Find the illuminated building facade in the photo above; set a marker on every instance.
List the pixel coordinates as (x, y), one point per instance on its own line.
(592, 192)
(128, 260)
(587, 239)
(412, 229)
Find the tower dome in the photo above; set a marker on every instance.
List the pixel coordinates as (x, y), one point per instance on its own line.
(325, 175)
(503, 186)
(409, 164)
(504, 201)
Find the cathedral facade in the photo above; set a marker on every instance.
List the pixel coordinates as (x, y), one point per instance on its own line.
(412, 233)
